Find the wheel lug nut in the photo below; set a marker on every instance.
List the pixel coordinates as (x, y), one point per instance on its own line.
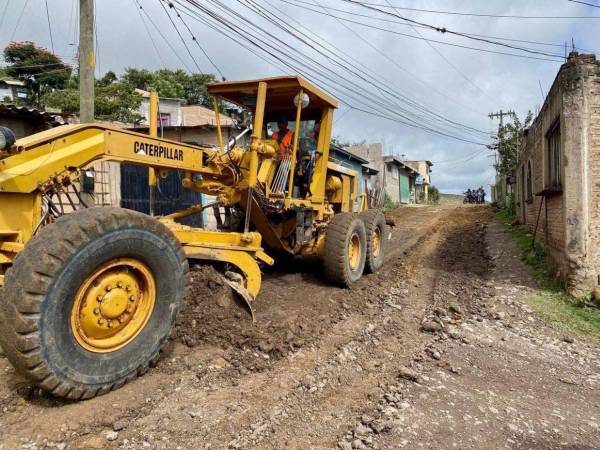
(99, 298)
(100, 322)
(109, 324)
(96, 311)
(131, 298)
(108, 288)
(119, 284)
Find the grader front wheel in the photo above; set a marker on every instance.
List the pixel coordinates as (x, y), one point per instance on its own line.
(88, 304)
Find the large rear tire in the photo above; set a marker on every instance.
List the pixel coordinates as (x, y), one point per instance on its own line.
(376, 239)
(89, 303)
(345, 249)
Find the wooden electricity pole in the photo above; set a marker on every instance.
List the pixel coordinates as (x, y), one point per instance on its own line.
(87, 61)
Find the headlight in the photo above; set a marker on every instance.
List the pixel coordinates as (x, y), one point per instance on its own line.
(7, 138)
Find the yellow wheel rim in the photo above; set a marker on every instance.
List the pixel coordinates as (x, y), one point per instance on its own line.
(354, 251)
(113, 305)
(376, 242)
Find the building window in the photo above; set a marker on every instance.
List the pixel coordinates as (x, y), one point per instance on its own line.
(554, 158)
(165, 119)
(529, 183)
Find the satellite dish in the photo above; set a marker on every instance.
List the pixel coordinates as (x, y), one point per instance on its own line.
(305, 100)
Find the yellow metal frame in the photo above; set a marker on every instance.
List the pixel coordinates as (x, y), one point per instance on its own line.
(54, 158)
(113, 305)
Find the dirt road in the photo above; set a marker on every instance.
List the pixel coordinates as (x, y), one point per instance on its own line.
(435, 351)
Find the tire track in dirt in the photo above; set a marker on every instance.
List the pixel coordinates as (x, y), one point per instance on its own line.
(235, 375)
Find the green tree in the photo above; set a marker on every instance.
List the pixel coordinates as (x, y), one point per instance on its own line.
(116, 101)
(434, 195)
(40, 70)
(507, 142)
(172, 83)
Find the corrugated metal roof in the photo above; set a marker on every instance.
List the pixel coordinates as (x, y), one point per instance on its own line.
(196, 116)
(32, 114)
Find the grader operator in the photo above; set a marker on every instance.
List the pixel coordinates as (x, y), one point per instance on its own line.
(90, 294)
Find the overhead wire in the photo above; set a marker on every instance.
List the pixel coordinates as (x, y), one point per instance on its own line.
(337, 84)
(317, 69)
(392, 60)
(354, 70)
(365, 70)
(444, 30)
(558, 58)
(4, 13)
(593, 5)
(49, 26)
(180, 36)
(305, 4)
(165, 40)
(18, 22)
(172, 5)
(138, 8)
(497, 16)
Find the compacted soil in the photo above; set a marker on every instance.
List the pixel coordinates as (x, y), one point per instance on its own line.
(436, 350)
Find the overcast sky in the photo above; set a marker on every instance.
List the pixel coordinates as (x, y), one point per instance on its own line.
(459, 84)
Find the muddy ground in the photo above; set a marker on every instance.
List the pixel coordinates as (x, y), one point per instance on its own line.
(437, 350)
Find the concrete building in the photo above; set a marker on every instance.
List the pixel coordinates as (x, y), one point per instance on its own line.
(423, 181)
(396, 176)
(12, 90)
(558, 175)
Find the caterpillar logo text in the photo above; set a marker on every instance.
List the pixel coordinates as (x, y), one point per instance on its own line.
(142, 148)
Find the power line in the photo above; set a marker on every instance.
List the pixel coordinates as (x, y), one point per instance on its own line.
(445, 30)
(171, 5)
(4, 13)
(361, 75)
(559, 58)
(301, 3)
(585, 3)
(498, 16)
(138, 9)
(165, 40)
(376, 76)
(180, 37)
(12, 36)
(49, 26)
(320, 71)
(392, 61)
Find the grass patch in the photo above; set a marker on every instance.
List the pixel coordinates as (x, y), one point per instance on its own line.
(551, 301)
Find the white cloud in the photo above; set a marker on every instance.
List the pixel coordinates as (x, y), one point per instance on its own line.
(502, 81)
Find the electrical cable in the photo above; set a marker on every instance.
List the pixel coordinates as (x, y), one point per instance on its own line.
(445, 30)
(172, 5)
(12, 36)
(180, 36)
(387, 90)
(320, 72)
(49, 27)
(165, 40)
(497, 16)
(304, 4)
(393, 61)
(138, 8)
(4, 13)
(585, 3)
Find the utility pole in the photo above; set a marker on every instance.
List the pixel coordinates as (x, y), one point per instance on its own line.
(500, 115)
(87, 61)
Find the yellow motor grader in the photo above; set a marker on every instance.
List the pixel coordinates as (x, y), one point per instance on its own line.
(89, 294)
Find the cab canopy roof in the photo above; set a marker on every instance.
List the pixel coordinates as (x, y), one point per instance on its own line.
(280, 94)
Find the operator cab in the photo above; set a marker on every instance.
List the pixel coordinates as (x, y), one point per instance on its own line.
(294, 119)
